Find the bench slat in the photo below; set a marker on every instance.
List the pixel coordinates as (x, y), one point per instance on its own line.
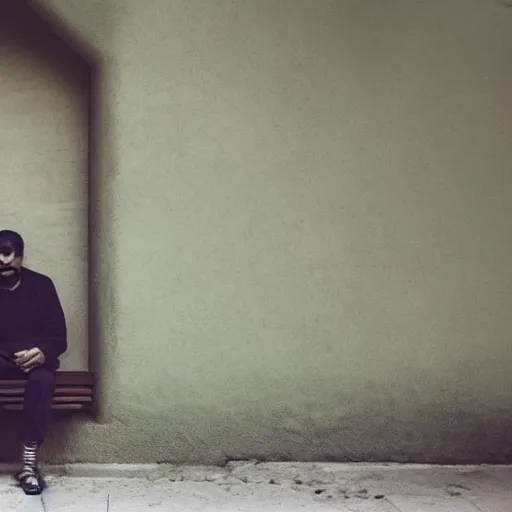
(62, 378)
(58, 391)
(73, 391)
(11, 391)
(56, 399)
(55, 407)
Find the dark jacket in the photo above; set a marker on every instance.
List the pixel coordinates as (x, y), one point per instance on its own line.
(32, 316)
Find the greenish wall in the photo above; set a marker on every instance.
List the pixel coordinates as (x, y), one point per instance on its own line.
(306, 217)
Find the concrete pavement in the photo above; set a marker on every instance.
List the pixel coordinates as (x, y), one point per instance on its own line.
(284, 487)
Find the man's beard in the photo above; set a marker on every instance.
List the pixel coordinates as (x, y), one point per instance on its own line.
(9, 280)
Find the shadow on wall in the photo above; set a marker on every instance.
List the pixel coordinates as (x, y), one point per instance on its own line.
(22, 30)
(89, 63)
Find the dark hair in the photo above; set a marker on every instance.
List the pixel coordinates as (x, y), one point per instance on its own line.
(13, 239)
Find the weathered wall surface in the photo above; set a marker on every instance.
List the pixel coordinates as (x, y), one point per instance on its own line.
(310, 232)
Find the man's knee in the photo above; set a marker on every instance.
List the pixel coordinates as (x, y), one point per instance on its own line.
(42, 378)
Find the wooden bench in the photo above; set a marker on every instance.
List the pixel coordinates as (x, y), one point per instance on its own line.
(73, 391)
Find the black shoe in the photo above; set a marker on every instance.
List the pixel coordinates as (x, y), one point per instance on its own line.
(31, 482)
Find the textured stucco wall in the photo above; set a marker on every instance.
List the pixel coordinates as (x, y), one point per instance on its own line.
(309, 233)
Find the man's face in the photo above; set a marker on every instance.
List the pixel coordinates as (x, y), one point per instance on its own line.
(10, 262)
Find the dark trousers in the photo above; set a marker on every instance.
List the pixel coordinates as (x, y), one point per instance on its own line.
(38, 398)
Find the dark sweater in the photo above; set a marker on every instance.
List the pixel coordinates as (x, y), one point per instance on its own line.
(32, 316)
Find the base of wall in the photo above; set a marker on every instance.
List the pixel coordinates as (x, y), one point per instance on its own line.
(240, 470)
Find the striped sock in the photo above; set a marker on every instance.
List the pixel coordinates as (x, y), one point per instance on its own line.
(29, 463)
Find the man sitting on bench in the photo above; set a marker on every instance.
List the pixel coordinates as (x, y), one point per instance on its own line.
(32, 338)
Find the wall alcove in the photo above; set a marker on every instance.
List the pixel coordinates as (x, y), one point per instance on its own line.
(44, 134)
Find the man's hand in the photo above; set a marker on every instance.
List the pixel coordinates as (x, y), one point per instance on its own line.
(29, 359)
